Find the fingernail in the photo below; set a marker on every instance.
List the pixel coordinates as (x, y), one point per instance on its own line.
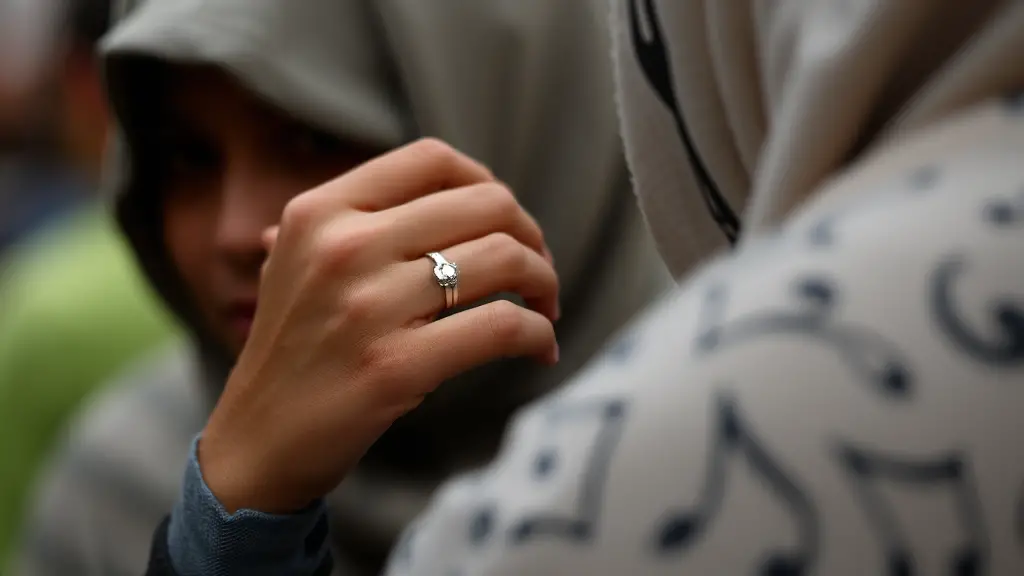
(556, 354)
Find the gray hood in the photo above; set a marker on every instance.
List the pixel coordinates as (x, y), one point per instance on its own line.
(522, 85)
(752, 106)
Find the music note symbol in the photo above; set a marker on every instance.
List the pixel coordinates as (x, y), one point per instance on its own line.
(731, 435)
(581, 525)
(1003, 349)
(1005, 212)
(865, 469)
(870, 355)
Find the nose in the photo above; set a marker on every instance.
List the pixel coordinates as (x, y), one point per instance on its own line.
(252, 200)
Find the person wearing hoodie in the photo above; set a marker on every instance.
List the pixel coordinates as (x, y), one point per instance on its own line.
(226, 111)
(838, 394)
(74, 310)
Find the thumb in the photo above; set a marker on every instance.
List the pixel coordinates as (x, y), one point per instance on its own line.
(269, 237)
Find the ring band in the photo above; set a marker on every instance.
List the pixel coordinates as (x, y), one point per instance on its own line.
(447, 275)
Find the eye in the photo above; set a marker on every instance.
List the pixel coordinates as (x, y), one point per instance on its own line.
(189, 156)
(313, 144)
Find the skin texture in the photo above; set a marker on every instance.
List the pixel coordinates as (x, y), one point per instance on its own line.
(343, 340)
(233, 164)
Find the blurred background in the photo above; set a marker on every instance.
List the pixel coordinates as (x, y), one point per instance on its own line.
(73, 310)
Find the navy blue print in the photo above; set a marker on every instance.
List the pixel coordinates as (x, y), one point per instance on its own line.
(1005, 348)
(545, 464)
(1005, 212)
(582, 525)
(868, 354)
(924, 178)
(652, 55)
(685, 528)
(822, 233)
(621, 348)
(482, 526)
(865, 469)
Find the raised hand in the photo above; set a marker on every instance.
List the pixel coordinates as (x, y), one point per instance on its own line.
(344, 339)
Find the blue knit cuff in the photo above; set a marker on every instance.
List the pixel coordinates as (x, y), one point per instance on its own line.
(204, 539)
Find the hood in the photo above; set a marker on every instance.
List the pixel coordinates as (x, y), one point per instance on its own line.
(511, 83)
(522, 85)
(735, 113)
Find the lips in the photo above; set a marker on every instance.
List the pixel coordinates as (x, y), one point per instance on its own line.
(239, 317)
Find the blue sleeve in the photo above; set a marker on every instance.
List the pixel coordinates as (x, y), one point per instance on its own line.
(204, 539)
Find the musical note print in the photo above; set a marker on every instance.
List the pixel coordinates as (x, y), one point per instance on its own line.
(731, 435)
(870, 355)
(924, 178)
(481, 527)
(621, 349)
(1005, 212)
(822, 233)
(581, 524)
(865, 469)
(1004, 349)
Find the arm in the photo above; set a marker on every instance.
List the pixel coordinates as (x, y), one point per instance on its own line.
(800, 406)
(201, 537)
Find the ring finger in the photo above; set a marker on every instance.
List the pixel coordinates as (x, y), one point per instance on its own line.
(486, 266)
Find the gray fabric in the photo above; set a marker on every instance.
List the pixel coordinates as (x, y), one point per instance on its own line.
(120, 473)
(522, 85)
(776, 97)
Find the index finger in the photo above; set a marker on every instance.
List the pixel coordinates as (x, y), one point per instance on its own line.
(404, 174)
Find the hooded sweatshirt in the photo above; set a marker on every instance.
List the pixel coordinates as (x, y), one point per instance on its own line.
(523, 86)
(841, 394)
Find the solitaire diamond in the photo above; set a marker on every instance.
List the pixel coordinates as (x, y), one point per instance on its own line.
(447, 274)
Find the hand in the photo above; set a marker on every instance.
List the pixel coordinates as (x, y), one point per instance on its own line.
(344, 342)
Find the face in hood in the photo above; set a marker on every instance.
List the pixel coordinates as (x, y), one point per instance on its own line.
(734, 113)
(493, 79)
(522, 85)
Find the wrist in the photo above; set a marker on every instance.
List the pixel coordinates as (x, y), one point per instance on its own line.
(239, 482)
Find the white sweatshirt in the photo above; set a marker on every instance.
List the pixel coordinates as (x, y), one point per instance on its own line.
(841, 394)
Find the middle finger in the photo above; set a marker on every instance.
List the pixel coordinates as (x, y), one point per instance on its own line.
(455, 216)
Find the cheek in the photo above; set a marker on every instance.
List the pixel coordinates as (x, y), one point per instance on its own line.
(189, 231)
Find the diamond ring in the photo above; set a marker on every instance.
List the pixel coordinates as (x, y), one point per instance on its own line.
(447, 275)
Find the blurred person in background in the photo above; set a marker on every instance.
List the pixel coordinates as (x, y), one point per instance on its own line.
(840, 394)
(35, 184)
(229, 109)
(73, 307)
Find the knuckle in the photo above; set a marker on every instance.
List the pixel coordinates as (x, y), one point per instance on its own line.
(297, 213)
(508, 252)
(504, 321)
(501, 199)
(341, 248)
(437, 151)
(358, 304)
(380, 361)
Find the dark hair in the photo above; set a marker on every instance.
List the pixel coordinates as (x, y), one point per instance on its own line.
(86, 21)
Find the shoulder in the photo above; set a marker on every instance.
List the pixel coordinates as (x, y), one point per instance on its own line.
(120, 470)
(804, 402)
